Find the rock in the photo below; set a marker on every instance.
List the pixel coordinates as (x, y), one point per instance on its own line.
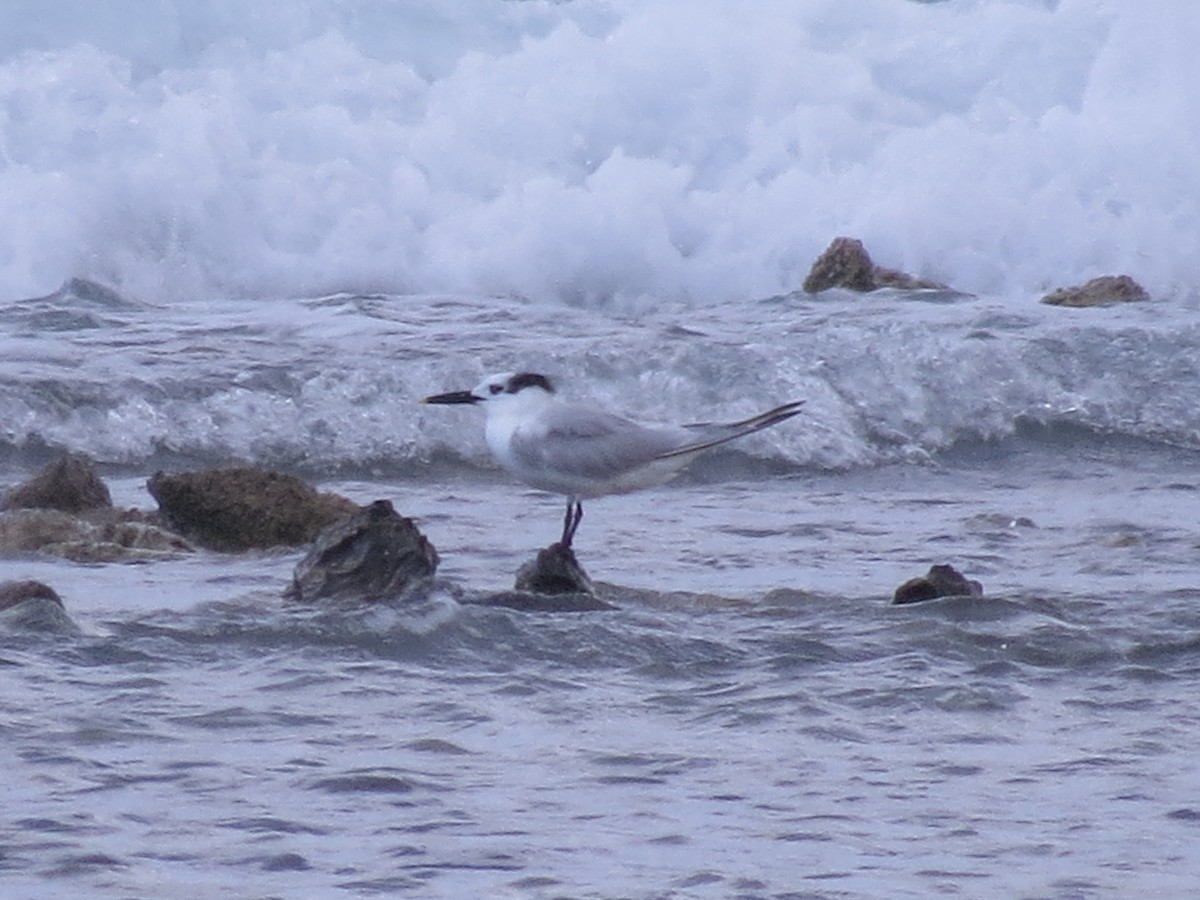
(554, 571)
(70, 483)
(374, 554)
(34, 606)
(939, 581)
(1102, 291)
(244, 507)
(15, 592)
(846, 263)
(77, 305)
(98, 536)
(81, 290)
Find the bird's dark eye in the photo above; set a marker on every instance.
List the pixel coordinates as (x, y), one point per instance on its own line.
(495, 388)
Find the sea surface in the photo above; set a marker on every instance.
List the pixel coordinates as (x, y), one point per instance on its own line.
(243, 232)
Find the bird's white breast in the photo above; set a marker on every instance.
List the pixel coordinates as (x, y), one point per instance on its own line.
(505, 417)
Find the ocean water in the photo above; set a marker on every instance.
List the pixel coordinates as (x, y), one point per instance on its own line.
(250, 232)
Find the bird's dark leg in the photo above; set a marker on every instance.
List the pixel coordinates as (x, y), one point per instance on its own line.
(571, 522)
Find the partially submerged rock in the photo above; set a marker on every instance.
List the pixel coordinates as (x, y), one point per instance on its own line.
(33, 606)
(66, 510)
(81, 291)
(245, 507)
(939, 581)
(846, 263)
(99, 536)
(14, 592)
(555, 570)
(1103, 291)
(374, 554)
(70, 483)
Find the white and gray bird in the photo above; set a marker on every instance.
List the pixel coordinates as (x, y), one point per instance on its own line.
(585, 452)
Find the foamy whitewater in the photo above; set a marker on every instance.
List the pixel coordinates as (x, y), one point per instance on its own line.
(589, 152)
(244, 231)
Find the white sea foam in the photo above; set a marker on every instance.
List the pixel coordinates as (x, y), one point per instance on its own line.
(593, 151)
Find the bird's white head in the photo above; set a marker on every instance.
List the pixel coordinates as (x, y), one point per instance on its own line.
(504, 389)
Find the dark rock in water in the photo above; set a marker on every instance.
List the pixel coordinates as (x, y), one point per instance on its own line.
(80, 290)
(91, 537)
(70, 483)
(245, 507)
(554, 571)
(374, 554)
(1102, 291)
(552, 582)
(33, 606)
(939, 581)
(77, 305)
(846, 263)
(14, 592)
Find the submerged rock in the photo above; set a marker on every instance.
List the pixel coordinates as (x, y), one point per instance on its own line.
(939, 581)
(77, 305)
(846, 263)
(98, 536)
(374, 554)
(14, 592)
(33, 606)
(245, 507)
(1103, 291)
(81, 290)
(70, 483)
(554, 571)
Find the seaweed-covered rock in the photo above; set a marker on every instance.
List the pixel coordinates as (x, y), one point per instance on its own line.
(245, 507)
(374, 554)
(939, 581)
(70, 484)
(846, 263)
(555, 570)
(1103, 291)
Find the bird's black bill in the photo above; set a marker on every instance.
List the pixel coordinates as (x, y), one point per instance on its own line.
(452, 397)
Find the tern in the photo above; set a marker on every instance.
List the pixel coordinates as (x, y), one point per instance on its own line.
(582, 451)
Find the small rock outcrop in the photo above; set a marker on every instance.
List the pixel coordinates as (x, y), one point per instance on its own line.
(554, 571)
(100, 537)
(375, 554)
(15, 592)
(70, 484)
(91, 293)
(939, 581)
(33, 606)
(245, 507)
(846, 263)
(1103, 291)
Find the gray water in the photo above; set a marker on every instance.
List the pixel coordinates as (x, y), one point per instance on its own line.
(755, 720)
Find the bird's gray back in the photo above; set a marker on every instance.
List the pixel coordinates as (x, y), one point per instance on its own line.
(571, 447)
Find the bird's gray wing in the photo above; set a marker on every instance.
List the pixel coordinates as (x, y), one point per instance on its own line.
(711, 434)
(583, 443)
